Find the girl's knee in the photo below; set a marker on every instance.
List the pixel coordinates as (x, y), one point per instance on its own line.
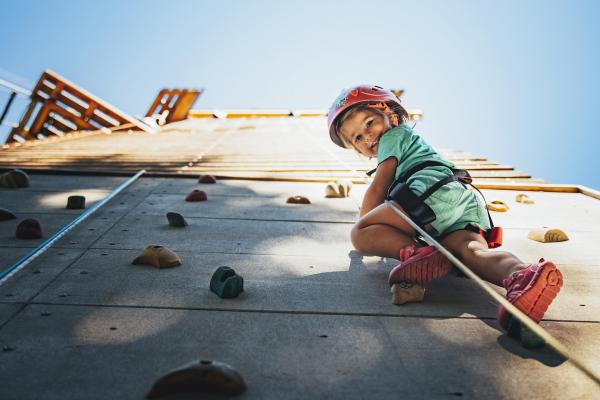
(356, 236)
(473, 248)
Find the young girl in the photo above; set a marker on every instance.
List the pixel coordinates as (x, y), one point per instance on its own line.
(371, 120)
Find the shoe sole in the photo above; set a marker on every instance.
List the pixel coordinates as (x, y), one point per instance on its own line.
(421, 270)
(535, 301)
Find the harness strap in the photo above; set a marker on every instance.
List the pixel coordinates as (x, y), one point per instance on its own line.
(437, 185)
(431, 163)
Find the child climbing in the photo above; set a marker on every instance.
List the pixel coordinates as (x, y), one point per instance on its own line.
(427, 188)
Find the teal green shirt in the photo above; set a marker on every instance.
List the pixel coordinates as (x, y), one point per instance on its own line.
(410, 149)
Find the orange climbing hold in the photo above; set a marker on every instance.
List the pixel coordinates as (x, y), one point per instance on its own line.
(405, 292)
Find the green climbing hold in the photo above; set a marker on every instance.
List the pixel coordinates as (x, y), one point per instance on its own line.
(528, 338)
(226, 284)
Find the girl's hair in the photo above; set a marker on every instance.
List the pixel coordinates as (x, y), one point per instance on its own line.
(368, 108)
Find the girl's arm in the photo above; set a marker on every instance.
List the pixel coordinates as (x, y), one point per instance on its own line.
(384, 177)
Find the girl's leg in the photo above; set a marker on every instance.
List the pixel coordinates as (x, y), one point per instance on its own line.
(532, 290)
(472, 250)
(382, 232)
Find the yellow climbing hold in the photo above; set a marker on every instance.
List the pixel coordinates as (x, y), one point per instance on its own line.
(339, 188)
(523, 198)
(497, 205)
(547, 235)
(405, 292)
(157, 256)
(298, 200)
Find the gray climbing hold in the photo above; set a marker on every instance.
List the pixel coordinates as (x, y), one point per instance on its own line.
(76, 202)
(6, 215)
(204, 376)
(176, 219)
(15, 178)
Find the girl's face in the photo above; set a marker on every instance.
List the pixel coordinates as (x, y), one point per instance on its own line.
(363, 130)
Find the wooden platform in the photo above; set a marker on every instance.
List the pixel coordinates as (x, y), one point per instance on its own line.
(276, 148)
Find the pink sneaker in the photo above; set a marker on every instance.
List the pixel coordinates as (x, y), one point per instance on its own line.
(531, 290)
(419, 265)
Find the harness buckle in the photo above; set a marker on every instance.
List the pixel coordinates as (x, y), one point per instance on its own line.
(494, 237)
(412, 204)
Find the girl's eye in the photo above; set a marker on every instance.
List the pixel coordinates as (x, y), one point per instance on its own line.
(369, 123)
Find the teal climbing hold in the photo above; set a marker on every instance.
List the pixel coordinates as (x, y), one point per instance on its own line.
(528, 338)
(225, 283)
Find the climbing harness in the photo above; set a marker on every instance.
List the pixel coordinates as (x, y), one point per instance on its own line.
(420, 212)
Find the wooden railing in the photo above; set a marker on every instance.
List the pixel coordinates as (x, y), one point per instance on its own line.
(173, 105)
(60, 106)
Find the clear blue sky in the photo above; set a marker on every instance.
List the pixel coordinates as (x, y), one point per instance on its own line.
(515, 81)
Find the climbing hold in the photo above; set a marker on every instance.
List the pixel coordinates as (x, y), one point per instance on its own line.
(497, 205)
(5, 215)
(157, 256)
(340, 188)
(331, 190)
(207, 179)
(176, 219)
(521, 332)
(405, 292)
(15, 178)
(344, 187)
(76, 202)
(196, 195)
(546, 235)
(226, 283)
(204, 376)
(298, 200)
(523, 198)
(29, 229)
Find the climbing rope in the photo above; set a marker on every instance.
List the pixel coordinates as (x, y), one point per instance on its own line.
(27, 258)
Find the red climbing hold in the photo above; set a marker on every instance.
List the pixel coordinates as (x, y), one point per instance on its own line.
(207, 179)
(196, 195)
(203, 376)
(29, 229)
